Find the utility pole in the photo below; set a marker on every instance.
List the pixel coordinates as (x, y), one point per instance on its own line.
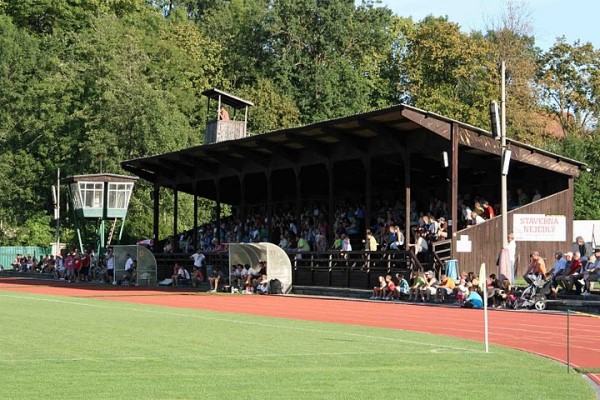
(504, 162)
(57, 211)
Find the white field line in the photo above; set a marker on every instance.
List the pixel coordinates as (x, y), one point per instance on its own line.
(233, 356)
(235, 321)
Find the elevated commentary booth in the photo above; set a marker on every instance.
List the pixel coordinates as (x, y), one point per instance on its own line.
(98, 198)
(399, 153)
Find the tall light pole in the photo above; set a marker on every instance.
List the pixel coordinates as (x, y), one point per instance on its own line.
(505, 159)
(498, 125)
(57, 211)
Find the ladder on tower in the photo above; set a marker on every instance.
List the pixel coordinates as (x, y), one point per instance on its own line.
(112, 232)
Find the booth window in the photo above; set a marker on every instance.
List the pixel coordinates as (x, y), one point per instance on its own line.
(91, 194)
(118, 195)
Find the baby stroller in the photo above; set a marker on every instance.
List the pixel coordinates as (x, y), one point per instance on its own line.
(535, 295)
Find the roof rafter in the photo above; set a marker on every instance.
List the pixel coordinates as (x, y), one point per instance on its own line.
(308, 144)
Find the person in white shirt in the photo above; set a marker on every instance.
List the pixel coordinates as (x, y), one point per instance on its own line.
(244, 273)
(128, 267)
(180, 275)
(128, 263)
(346, 245)
(199, 258)
(110, 265)
(512, 254)
(199, 271)
(236, 275)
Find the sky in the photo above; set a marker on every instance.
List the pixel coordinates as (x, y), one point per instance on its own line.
(574, 19)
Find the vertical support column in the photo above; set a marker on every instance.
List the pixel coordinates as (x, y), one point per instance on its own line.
(453, 201)
(331, 195)
(407, 199)
(121, 229)
(104, 218)
(570, 214)
(218, 208)
(195, 233)
(268, 175)
(175, 213)
(156, 211)
(102, 241)
(298, 197)
(242, 215)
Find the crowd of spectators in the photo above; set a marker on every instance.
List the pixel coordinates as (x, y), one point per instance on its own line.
(425, 287)
(309, 231)
(573, 271)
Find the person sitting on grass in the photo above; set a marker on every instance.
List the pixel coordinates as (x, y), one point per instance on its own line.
(418, 284)
(379, 291)
(429, 289)
(180, 275)
(474, 299)
(497, 292)
(461, 293)
(402, 287)
(390, 288)
(263, 285)
(445, 288)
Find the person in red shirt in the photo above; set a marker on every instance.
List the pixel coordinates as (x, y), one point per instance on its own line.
(70, 265)
(488, 210)
(391, 288)
(77, 265)
(567, 280)
(85, 266)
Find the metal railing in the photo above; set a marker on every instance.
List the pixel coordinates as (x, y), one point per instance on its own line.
(354, 269)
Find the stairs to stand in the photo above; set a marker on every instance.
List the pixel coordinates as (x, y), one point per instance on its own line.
(112, 232)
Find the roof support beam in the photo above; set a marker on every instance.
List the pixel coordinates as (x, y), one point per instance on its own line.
(250, 155)
(310, 145)
(229, 161)
(279, 150)
(347, 138)
(433, 124)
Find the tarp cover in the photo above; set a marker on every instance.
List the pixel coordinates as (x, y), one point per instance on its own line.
(278, 261)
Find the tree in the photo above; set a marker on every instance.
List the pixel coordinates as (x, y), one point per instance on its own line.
(511, 36)
(569, 82)
(45, 16)
(449, 72)
(273, 109)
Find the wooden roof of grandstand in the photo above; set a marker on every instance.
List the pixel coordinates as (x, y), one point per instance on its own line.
(386, 132)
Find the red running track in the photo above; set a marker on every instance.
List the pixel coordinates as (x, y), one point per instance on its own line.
(540, 333)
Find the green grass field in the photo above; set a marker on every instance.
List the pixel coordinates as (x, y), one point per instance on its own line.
(70, 348)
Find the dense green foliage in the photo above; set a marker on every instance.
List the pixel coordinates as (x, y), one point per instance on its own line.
(135, 351)
(86, 84)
